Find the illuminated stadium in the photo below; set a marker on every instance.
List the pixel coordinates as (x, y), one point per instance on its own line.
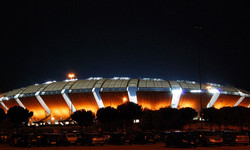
(53, 101)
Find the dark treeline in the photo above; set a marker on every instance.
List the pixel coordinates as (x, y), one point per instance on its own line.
(166, 118)
(227, 116)
(129, 116)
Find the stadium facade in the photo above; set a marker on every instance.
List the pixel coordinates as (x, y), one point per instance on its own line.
(53, 102)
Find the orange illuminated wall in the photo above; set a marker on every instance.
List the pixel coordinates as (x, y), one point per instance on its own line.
(193, 100)
(32, 104)
(84, 101)
(57, 105)
(154, 100)
(10, 103)
(113, 99)
(245, 102)
(226, 101)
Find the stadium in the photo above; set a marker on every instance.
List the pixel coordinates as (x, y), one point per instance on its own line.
(54, 102)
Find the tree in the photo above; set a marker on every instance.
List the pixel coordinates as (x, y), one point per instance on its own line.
(213, 116)
(2, 114)
(128, 112)
(239, 116)
(167, 118)
(226, 116)
(19, 116)
(109, 117)
(83, 118)
(186, 116)
(146, 121)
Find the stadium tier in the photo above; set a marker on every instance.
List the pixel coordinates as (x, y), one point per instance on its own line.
(55, 101)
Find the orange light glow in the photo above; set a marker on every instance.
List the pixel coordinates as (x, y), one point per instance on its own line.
(191, 105)
(209, 87)
(154, 100)
(71, 75)
(225, 101)
(113, 98)
(124, 99)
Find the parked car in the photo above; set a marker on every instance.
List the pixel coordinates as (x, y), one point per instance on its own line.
(116, 139)
(233, 138)
(98, 139)
(242, 138)
(52, 138)
(127, 139)
(35, 139)
(149, 137)
(48, 139)
(228, 137)
(4, 137)
(85, 139)
(71, 138)
(143, 138)
(206, 138)
(180, 139)
(138, 138)
(19, 140)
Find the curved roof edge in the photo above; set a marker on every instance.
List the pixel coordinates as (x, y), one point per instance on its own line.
(121, 83)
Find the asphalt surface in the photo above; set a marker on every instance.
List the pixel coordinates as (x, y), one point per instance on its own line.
(159, 146)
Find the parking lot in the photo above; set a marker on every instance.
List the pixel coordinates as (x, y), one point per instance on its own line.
(123, 147)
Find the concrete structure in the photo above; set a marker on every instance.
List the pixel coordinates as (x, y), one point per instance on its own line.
(56, 101)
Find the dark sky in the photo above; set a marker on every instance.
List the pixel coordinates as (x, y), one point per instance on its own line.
(44, 41)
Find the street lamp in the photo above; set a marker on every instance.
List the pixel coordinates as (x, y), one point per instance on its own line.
(71, 75)
(124, 99)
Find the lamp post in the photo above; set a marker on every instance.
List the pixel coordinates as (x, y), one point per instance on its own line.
(198, 29)
(71, 76)
(124, 100)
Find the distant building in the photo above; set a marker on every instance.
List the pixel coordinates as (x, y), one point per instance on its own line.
(53, 102)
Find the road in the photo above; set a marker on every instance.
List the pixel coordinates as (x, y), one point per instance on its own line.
(158, 146)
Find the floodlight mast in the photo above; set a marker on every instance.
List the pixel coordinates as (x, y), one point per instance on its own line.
(198, 29)
(71, 76)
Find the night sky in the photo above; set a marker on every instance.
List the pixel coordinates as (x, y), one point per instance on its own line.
(156, 39)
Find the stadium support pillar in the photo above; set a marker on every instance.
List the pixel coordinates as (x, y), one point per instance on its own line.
(239, 101)
(40, 100)
(4, 106)
(132, 94)
(18, 101)
(215, 96)
(64, 93)
(98, 97)
(176, 97)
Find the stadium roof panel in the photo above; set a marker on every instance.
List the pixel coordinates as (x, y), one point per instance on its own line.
(33, 88)
(174, 84)
(99, 83)
(158, 84)
(142, 83)
(165, 84)
(56, 86)
(133, 82)
(13, 92)
(83, 84)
